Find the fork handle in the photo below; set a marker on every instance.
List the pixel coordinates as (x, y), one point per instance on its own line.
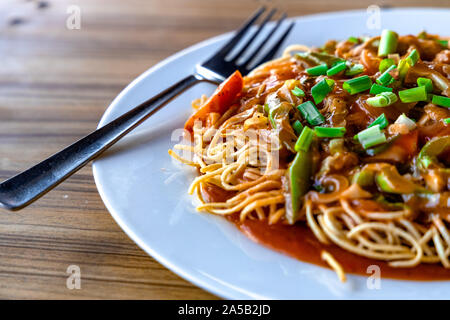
(24, 188)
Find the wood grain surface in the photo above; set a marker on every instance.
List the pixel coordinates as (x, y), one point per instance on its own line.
(55, 83)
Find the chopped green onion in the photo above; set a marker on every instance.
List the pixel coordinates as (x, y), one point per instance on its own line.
(446, 121)
(403, 67)
(378, 101)
(413, 95)
(319, 70)
(441, 101)
(304, 140)
(371, 137)
(338, 67)
(403, 119)
(388, 43)
(381, 121)
(444, 43)
(325, 132)
(392, 97)
(310, 112)
(298, 92)
(383, 99)
(425, 82)
(382, 147)
(385, 64)
(355, 69)
(357, 85)
(413, 57)
(376, 89)
(297, 126)
(386, 79)
(353, 40)
(408, 62)
(320, 90)
(266, 109)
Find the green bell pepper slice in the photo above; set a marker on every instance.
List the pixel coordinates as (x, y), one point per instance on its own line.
(388, 179)
(299, 180)
(364, 178)
(431, 150)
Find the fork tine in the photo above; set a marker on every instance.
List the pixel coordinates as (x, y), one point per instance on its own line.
(255, 34)
(263, 42)
(270, 54)
(231, 43)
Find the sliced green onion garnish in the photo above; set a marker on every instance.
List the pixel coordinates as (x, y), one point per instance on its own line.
(413, 57)
(297, 126)
(408, 62)
(413, 95)
(304, 140)
(403, 119)
(381, 121)
(403, 67)
(371, 137)
(388, 43)
(385, 64)
(378, 101)
(446, 121)
(310, 112)
(441, 101)
(383, 99)
(392, 97)
(298, 92)
(425, 82)
(357, 85)
(355, 69)
(338, 67)
(320, 90)
(376, 89)
(444, 43)
(319, 70)
(266, 109)
(385, 79)
(325, 132)
(353, 40)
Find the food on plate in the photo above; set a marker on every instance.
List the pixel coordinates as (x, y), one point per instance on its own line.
(338, 155)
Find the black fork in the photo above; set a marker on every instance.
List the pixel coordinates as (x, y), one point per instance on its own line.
(24, 188)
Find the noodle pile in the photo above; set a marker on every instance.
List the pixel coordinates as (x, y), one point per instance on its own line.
(235, 161)
(247, 156)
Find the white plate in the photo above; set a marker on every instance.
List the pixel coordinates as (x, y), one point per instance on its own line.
(146, 192)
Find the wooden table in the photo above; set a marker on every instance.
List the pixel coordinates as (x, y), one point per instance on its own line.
(55, 83)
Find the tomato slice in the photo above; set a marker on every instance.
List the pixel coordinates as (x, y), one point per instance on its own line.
(220, 101)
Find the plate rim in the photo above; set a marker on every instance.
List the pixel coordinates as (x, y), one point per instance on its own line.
(198, 280)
